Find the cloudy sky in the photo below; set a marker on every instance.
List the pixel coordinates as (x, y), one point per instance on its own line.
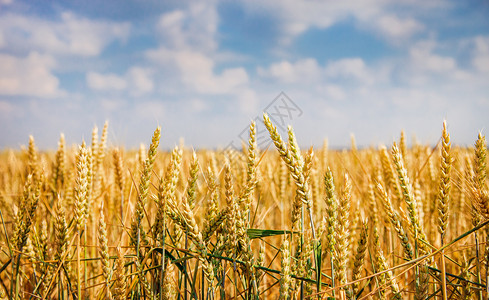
(204, 70)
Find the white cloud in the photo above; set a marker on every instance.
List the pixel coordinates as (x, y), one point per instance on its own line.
(198, 105)
(296, 17)
(140, 80)
(423, 58)
(248, 101)
(137, 81)
(425, 66)
(196, 71)
(304, 70)
(97, 81)
(6, 108)
(332, 91)
(481, 54)
(188, 51)
(170, 28)
(308, 74)
(397, 29)
(71, 35)
(349, 68)
(192, 28)
(111, 104)
(150, 110)
(28, 76)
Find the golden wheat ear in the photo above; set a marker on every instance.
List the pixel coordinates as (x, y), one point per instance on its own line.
(104, 250)
(480, 164)
(285, 273)
(119, 286)
(480, 201)
(445, 185)
(359, 258)
(59, 173)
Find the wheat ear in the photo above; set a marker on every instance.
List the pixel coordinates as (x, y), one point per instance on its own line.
(250, 171)
(119, 178)
(342, 233)
(291, 158)
(81, 200)
(32, 160)
(59, 166)
(390, 179)
(137, 233)
(166, 192)
(168, 290)
(396, 222)
(359, 258)
(382, 265)
(285, 276)
(192, 180)
(104, 249)
(408, 194)
(332, 219)
(119, 287)
(444, 186)
(480, 198)
(480, 165)
(443, 199)
(60, 237)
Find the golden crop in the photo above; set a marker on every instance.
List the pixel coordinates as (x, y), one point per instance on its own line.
(98, 222)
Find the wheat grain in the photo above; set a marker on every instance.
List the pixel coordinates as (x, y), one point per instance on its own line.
(396, 222)
(480, 168)
(285, 277)
(409, 199)
(119, 287)
(359, 258)
(59, 166)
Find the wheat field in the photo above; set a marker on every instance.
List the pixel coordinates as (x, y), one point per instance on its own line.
(97, 222)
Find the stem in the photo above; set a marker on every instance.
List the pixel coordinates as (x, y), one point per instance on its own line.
(78, 265)
(443, 273)
(487, 270)
(17, 285)
(235, 278)
(185, 266)
(416, 255)
(162, 257)
(223, 280)
(479, 293)
(137, 257)
(318, 258)
(302, 246)
(203, 282)
(332, 274)
(85, 275)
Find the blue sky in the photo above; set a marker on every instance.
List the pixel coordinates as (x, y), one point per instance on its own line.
(203, 70)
